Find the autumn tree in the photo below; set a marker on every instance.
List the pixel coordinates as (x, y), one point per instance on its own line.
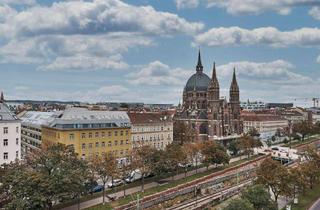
(302, 128)
(142, 159)
(193, 151)
(253, 132)
(105, 167)
(183, 132)
(45, 177)
(176, 155)
(247, 143)
(214, 154)
(278, 181)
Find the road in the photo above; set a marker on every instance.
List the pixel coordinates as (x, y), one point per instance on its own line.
(96, 201)
(315, 205)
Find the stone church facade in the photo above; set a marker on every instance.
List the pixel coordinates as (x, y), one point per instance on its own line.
(212, 116)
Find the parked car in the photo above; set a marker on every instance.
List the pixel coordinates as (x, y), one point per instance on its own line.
(97, 188)
(134, 175)
(185, 165)
(115, 183)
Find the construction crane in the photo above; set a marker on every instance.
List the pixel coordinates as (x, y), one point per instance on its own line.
(314, 99)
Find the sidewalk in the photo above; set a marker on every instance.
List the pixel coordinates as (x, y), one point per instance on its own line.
(96, 201)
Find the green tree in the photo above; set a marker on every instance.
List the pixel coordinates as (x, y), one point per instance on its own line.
(259, 197)
(234, 147)
(239, 204)
(160, 161)
(105, 167)
(247, 143)
(45, 178)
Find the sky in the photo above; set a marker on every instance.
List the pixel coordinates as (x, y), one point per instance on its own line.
(145, 50)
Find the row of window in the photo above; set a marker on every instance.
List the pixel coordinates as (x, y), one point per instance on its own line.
(148, 129)
(99, 134)
(103, 144)
(6, 130)
(114, 152)
(6, 142)
(151, 138)
(6, 155)
(31, 128)
(138, 143)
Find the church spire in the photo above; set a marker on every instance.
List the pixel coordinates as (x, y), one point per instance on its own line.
(234, 84)
(199, 65)
(1, 97)
(214, 79)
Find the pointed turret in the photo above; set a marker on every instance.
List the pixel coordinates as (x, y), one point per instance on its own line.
(234, 85)
(1, 97)
(213, 88)
(199, 64)
(214, 80)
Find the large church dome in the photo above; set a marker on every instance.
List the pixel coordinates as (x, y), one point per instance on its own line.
(198, 81)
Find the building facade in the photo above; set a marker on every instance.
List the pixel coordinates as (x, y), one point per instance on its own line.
(91, 133)
(213, 117)
(31, 129)
(10, 134)
(153, 129)
(265, 124)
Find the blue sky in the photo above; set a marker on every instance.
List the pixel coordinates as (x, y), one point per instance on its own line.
(144, 51)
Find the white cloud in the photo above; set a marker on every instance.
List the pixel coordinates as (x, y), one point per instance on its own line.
(98, 16)
(277, 72)
(315, 12)
(157, 73)
(253, 7)
(18, 2)
(65, 33)
(85, 63)
(318, 59)
(266, 35)
(6, 13)
(182, 4)
(41, 49)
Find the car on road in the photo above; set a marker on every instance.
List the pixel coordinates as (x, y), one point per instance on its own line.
(115, 183)
(96, 189)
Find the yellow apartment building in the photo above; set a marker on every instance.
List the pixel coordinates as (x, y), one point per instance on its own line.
(91, 133)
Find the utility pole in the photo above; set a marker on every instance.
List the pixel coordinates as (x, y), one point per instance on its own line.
(290, 132)
(138, 202)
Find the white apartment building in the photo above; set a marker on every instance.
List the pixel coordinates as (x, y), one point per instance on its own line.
(153, 129)
(265, 124)
(31, 123)
(10, 147)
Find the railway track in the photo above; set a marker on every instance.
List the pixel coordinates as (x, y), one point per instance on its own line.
(171, 193)
(197, 203)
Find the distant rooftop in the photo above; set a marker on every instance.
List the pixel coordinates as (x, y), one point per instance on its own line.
(78, 117)
(6, 114)
(39, 118)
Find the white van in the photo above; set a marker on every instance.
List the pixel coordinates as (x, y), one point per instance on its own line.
(134, 175)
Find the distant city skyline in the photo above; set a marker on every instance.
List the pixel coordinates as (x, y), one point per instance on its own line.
(144, 51)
